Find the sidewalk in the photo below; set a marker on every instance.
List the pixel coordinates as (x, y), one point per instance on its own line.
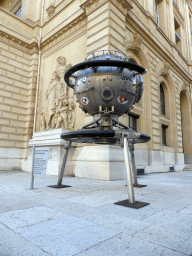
(84, 221)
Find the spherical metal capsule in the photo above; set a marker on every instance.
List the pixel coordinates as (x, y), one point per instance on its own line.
(106, 81)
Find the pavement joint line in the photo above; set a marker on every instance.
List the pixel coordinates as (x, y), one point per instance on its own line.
(182, 209)
(162, 245)
(98, 243)
(25, 238)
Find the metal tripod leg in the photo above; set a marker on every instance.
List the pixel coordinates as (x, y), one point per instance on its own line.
(128, 167)
(67, 147)
(132, 158)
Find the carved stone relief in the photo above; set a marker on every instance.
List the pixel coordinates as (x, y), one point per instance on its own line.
(59, 109)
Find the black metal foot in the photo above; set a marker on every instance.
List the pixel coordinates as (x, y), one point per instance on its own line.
(136, 205)
(139, 186)
(59, 186)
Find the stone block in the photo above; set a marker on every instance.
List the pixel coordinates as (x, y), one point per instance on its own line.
(141, 157)
(11, 102)
(8, 54)
(15, 63)
(6, 80)
(188, 159)
(169, 158)
(8, 129)
(5, 107)
(3, 59)
(14, 76)
(157, 158)
(23, 60)
(3, 136)
(97, 19)
(97, 12)
(16, 51)
(97, 36)
(157, 168)
(9, 115)
(12, 89)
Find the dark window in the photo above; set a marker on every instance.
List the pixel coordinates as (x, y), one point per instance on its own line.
(156, 12)
(164, 143)
(177, 34)
(18, 12)
(133, 122)
(162, 100)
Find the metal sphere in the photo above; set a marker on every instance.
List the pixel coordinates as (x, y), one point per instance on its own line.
(107, 82)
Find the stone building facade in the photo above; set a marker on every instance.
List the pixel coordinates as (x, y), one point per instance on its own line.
(40, 39)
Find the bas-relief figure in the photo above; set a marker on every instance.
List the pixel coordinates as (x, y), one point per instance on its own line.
(59, 109)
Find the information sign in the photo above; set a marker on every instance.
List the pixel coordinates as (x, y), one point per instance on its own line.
(40, 161)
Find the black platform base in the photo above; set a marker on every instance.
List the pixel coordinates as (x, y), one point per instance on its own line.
(139, 186)
(57, 186)
(136, 205)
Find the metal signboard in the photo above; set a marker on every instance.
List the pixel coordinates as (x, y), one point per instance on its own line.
(40, 161)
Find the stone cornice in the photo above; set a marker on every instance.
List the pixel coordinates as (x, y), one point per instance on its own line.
(29, 48)
(91, 5)
(26, 22)
(70, 28)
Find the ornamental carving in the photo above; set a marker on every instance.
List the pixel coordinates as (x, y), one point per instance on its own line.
(19, 44)
(137, 43)
(166, 68)
(59, 109)
(51, 9)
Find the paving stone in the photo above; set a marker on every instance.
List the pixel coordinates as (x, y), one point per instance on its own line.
(12, 244)
(187, 210)
(22, 218)
(12, 203)
(83, 220)
(125, 245)
(173, 240)
(117, 222)
(75, 209)
(66, 236)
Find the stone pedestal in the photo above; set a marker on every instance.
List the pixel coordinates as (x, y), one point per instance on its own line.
(99, 162)
(52, 140)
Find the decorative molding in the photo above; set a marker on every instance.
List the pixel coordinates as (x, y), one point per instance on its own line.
(70, 28)
(126, 4)
(19, 44)
(51, 9)
(92, 5)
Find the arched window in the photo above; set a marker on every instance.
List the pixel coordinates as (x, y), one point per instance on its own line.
(162, 100)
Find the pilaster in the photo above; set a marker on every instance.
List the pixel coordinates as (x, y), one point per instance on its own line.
(106, 24)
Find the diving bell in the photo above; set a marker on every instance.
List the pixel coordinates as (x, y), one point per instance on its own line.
(106, 82)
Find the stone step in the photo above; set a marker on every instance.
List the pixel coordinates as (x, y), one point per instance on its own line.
(187, 168)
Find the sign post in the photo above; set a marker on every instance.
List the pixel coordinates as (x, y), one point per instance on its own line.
(39, 163)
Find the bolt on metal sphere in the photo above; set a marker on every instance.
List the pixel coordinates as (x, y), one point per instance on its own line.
(106, 83)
